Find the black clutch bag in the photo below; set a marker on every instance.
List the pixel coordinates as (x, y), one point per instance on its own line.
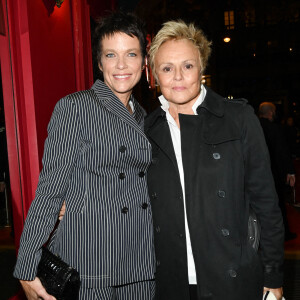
(58, 278)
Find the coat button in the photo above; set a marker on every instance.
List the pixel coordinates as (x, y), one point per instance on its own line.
(122, 176)
(157, 228)
(125, 210)
(225, 232)
(221, 194)
(232, 273)
(154, 160)
(141, 174)
(180, 235)
(216, 155)
(122, 149)
(158, 263)
(154, 196)
(144, 206)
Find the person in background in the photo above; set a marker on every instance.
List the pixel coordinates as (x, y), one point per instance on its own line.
(281, 160)
(210, 165)
(96, 159)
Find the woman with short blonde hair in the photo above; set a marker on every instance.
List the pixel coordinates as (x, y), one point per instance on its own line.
(210, 165)
(176, 30)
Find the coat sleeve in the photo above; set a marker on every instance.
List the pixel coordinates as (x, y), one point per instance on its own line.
(61, 149)
(261, 194)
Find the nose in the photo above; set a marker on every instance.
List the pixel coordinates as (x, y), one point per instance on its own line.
(178, 74)
(121, 63)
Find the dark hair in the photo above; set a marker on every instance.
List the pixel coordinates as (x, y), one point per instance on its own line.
(119, 21)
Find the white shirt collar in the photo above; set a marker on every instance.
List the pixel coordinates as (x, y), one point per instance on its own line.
(165, 104)
(130, 102)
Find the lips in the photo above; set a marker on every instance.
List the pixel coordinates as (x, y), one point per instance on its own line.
(178, 88)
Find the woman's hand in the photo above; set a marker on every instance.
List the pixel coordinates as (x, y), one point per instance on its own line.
(34, 290)
(278, 293)
(62, 211)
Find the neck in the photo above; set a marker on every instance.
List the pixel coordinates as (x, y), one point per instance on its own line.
(128, 107)
(125, 101)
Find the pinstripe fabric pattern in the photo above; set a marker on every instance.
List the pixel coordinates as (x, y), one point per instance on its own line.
(136, 291)
(96, 158)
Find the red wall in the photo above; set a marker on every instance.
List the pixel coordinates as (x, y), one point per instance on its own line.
(45, 54)
(52, 61)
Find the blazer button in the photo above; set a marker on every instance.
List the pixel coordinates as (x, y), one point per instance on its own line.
(157, 228)
(158, 263)
(225, 232)
(125, 210)
(122, 176)
(216, 155)
(122, 149)
(141, 174)
(144, 206)
(221, 194)
(232, 273)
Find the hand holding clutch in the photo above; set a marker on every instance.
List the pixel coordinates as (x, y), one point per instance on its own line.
(270, 296)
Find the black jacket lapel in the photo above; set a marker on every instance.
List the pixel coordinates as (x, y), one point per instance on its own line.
(157, 130)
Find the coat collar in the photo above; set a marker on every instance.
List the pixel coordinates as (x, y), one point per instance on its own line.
(213, 103)
(156, 126)
(157, 130)
(105, 97)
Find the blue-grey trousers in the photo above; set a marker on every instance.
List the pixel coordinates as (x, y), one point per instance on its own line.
(144, 290)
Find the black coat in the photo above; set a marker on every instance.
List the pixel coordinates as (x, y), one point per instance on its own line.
(226, 169)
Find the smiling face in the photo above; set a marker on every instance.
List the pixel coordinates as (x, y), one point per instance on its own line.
(178, 69)
(121, 64)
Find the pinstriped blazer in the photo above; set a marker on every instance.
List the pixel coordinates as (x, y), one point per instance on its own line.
(96, 159)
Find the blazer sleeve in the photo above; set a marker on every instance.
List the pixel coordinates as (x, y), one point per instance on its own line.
(61, 150)
(261, 194)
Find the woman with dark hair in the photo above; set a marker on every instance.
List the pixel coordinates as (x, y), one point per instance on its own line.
(96, 158)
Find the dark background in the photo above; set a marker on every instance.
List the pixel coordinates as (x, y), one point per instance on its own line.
(260, 63)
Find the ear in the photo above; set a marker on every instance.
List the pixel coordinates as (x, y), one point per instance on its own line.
(100, 66)
(156, 79)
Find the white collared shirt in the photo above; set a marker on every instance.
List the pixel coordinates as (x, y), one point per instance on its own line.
(176, 139)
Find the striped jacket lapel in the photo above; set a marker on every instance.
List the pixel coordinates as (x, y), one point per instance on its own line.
(112, 103)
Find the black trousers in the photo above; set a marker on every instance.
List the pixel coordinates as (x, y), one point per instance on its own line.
(193, 291)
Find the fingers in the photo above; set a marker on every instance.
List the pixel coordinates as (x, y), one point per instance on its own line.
(278, 293)
(62, 211)
(45, 296)
(34, 290)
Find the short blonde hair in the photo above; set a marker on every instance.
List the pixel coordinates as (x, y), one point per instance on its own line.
(177, 30)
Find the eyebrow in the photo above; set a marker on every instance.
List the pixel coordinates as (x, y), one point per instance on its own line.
(171, 63)
(114, 50)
